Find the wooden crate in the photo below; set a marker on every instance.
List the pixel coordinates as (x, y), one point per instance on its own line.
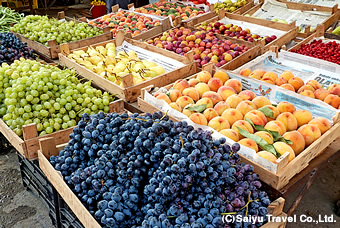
(328, 33)
(130, 92)
(285, 170)
(290, 33)
(52, 50)
(48, 147)
(302, 7)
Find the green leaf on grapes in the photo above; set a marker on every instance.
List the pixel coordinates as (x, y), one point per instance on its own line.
(267, 112)
(275, 134)
(197, 108)
(261, 142)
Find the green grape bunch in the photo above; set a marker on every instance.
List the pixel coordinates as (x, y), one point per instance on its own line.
(54, 99)
(42, 29)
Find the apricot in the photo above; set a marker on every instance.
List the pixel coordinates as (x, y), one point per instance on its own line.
(298, 141)
(315, 84)
(247, 95)
(265, 136)
(302, 117)
(321, 94)
(245, 106)
(184, 101)
(226, 91)
(270, 75)
(188, 112)
(306, 87)
(296, 82)
(193, 81)
(175, 106)
(334, 89)
(255, 76)
(205, 101)
(219, 123)
(202, 88)
(289, 120)
(233, 101)
(259, 72)
(282, 148)
(235, 84)
(210, 113)
(322, 123)
(276, 126)
(230, 133)
(198, 118)
(267, 155)
(308, 93)
(220, 107)
(280, 81)
(174, 94)
(261, 101)
(222, 75)
(285, 106)
(181, 84)
(268, 80)
(332, 100)
(245, 72)
(232, 115)
(249, 143)
(257, 117)
(310, 133)
(204, 76)
(213, 96)
(243, 125)
(288, 86)
(191, 92)
(287, 75)
(163, 96)
(214, 84)
(275, 112)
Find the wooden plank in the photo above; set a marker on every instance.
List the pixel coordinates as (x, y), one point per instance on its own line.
(13, 138)
(282, 40)
(49, 146)
(276, 224)
(30, 131)
(276, 207)
(244, 8)
(243, 58)
(65, 192)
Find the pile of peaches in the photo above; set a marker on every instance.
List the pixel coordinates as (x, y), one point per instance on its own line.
(287, 80)
(220, 102)
(128, 21)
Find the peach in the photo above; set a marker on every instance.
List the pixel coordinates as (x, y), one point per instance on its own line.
(210, 113)
(175, 106)
(215, 97)
(205, 101)
(259, 72)
(322, 123)
(302, 117)
(191, 92)
(232, 115)
(187, 112)
(289, 120)
(198, 118)
(202, 88)
(243, 125)
(280, 81)
(181, 84)
(214, 84)
(245, 106)
(249, 143)
(265, 136)
(332, 100)
(287, 75)
(267, 155)
(282, 148)
(163, 96)
(298, 141)
(223, 76)
(310, 133)
(257, 117)
(315, 84)
(255, 76)
(247, 95)
(235, 84)
(219, 123)
(261, 101)
(184, 101)
(276, 126)
(308, 93)
(334, 89)
(285, 106)
(275, 112)
(306, 87)
(270, 75)
(230, 133)
(204, 76)
(174, 94)
(321, 93)
(233, 101)
(245, 72)
(220, 107)
(226, 91)
(296, 82)
(193, 81)
(288, 86)
(268, 80)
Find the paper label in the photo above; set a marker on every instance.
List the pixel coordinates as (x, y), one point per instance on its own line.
(329, 3)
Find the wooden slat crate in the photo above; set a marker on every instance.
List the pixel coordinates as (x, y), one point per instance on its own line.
(49, 147)
(130, 92)
(335, 12)
(285, 170)
(52, 50)
(290, 31)
(328, 32)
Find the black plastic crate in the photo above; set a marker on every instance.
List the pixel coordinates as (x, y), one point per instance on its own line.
(35, 180)
(67, 218)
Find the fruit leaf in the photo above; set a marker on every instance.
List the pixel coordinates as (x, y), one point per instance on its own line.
(261, 142)
(187, 13)
(267, 112)
(197, 108)
(275, 134)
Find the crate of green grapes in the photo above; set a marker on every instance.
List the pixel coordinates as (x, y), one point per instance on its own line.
(40, 100)
(124, 66)
(45, 35)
